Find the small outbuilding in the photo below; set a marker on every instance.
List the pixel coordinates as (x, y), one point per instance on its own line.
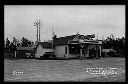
(42, 48)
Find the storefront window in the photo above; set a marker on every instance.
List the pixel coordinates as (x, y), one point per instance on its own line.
(74, 49)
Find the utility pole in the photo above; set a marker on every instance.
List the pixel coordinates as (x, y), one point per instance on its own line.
(37, 32)
(37, 24)
(39, 29)
(53, 34)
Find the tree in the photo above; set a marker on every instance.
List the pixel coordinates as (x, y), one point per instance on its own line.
(4, 44)
(117, 44)
(14, 41)
(112, 36)
(12, 47)
(25, 42)
(7, 43)
(18, 43)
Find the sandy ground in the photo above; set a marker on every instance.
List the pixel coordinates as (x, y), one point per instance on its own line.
(62, 70)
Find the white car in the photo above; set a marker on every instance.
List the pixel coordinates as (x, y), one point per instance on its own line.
(28, 55)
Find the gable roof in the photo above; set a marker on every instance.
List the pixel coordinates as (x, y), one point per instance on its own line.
(46, 44)
(75, 39)
(24, 48)
(63, 40)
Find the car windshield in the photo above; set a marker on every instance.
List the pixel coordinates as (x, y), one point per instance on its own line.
(49, 53)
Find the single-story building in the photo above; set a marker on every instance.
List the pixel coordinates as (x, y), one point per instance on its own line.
(42, 48)
(22, 52)
(76, 46)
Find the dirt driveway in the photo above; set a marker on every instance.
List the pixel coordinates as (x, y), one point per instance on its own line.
(62, 70)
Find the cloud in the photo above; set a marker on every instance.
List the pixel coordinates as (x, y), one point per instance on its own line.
(66, 20)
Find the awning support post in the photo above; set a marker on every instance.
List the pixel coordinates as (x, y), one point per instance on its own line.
(81, 51)
(100, 51)
(96, 51)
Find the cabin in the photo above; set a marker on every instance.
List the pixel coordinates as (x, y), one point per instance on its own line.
(22, 52)
(77, 46)
(42, 48)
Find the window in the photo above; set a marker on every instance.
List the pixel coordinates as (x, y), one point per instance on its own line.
(74, 49)
(65, 50)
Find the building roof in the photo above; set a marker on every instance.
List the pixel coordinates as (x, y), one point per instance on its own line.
(46, 44)
(63, 40)
(24, 48)
(108, 50)
(73, 39)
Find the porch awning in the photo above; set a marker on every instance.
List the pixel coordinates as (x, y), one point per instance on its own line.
(95, 42)
(73, 42)
(85, 42)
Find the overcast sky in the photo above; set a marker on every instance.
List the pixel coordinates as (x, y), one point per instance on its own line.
(65, 19)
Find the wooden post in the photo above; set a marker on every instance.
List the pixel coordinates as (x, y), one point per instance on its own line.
(88, 51)
(80, 53)
(80, 50)
(15, 54)
(67, 50)
(84, 54)
(96, 51)
(100, 51)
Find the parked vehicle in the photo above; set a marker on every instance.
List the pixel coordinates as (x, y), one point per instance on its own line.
(48, 55)
(29, 55)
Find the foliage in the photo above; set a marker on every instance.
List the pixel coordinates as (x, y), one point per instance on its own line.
(11, 46)
(14, 41)
(117, 44)
(25, 42)
(7, 43)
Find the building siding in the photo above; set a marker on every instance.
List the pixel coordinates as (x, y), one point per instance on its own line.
(40, 51)
(60, 51)
(72, 56)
